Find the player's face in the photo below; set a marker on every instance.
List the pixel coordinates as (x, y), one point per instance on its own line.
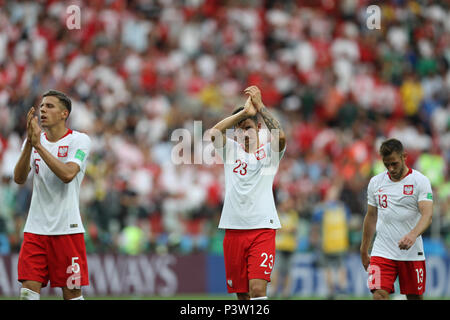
(51, 111)
(395, 164)
(247, 132)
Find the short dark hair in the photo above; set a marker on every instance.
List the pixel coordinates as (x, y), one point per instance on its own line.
(389, 146)
(239, 109)
(61, 97)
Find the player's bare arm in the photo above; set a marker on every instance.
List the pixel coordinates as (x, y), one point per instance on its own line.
(272, 124)
(22, 168)
(426, 211)
(65, 171)
(369, 228)
(229, 122)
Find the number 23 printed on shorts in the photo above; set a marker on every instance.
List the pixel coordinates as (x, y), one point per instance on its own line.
(267, 262)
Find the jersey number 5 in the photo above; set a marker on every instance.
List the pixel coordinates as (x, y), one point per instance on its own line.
(36, 165)
(382, 200)
(243, 170)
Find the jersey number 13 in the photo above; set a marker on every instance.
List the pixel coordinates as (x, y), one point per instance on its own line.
(382, 200)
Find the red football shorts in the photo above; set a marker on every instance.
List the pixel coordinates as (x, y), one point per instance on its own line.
(383, 273)
(249, 254)
(60, 259)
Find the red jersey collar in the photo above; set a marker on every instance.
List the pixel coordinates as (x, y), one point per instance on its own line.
(409, 172)
(69, 131)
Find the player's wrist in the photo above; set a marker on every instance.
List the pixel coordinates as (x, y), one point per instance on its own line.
(414, 234)
(38, 146)
(260, 106)
(244, 114)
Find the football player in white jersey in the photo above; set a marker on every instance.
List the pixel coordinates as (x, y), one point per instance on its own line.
(249, 215)
(53, 247)
(400, 209)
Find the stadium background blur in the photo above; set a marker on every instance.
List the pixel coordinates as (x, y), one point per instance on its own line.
(138, 70)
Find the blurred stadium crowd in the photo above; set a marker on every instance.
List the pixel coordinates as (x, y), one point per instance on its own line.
(138, 70)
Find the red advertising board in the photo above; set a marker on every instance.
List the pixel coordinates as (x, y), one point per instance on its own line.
(121, 275)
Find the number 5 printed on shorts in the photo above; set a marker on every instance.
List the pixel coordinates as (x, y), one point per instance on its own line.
(264, 265)
(74, 281)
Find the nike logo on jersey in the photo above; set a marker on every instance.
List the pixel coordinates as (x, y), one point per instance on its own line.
(266, 272)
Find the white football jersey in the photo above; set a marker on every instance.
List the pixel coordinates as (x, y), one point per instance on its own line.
(54, 205)
(249, 201)
(397, 204)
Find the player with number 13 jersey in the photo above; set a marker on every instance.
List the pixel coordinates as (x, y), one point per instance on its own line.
(399, 210)
(398, 213)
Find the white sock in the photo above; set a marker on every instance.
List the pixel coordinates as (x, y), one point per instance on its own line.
(259, 298)
(27, 294)
(78, 298)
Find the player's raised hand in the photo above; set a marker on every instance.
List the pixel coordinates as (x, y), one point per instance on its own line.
(249, 108)
(35, 132)
(255, 94)
(30, 116)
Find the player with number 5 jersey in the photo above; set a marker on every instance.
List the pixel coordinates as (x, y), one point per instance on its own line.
(249, 215)
(400, 206)
(53, 247)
